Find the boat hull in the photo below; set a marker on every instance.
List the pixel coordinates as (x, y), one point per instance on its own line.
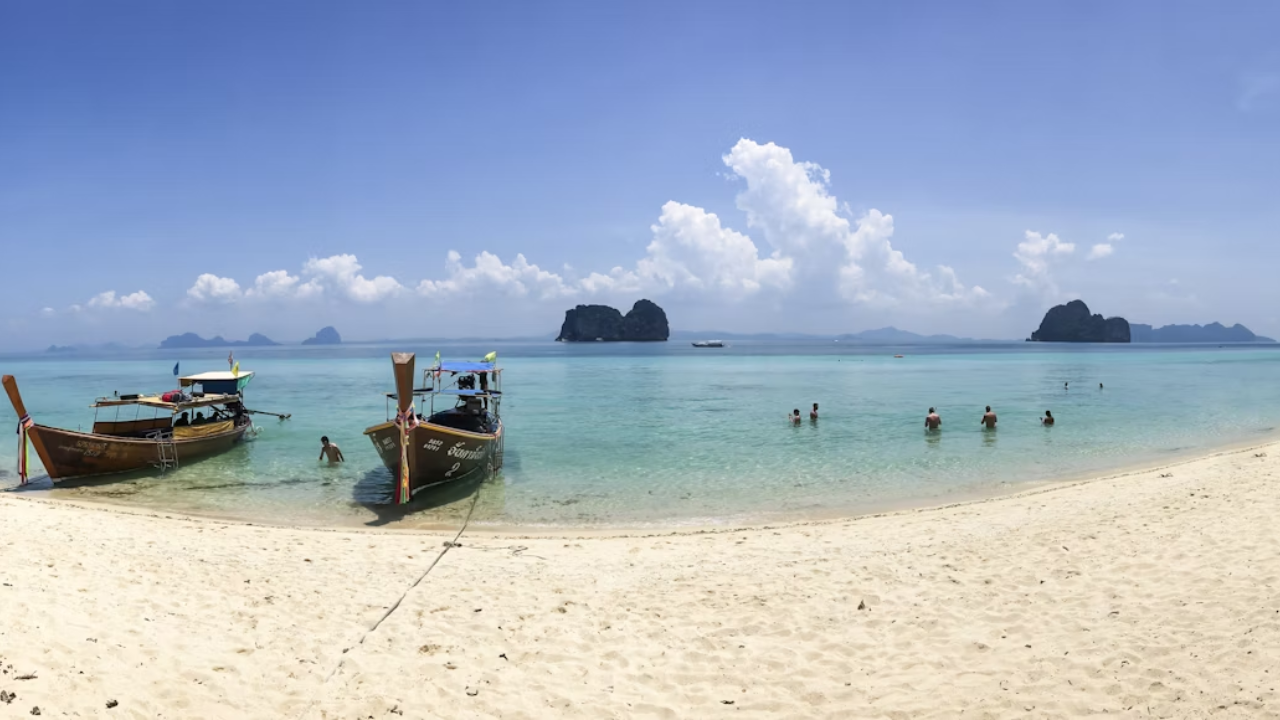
(440, 454)
(69, 454)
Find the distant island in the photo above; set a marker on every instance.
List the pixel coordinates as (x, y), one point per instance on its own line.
(60, 349)
(1073, 323)
(1211, 333)
(192, 340)
(326, 336)
(645, 322)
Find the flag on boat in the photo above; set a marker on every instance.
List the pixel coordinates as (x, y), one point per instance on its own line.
(491, 357)
(235, 370)
(231, 358)
(437, 363)
(175, 369)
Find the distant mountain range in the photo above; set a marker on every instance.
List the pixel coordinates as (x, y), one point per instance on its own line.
(1211, 333)
(192, 340)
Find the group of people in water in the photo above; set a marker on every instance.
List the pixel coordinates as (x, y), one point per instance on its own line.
(933, 421)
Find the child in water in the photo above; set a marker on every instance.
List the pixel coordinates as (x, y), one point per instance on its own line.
(1048, 418)
(795, 416)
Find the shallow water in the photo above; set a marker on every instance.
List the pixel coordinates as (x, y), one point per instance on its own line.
(609, 434)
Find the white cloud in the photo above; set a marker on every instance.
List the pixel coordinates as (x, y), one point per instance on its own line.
(690, 248)
(341, 273)
(489, 274)
(805, 237)
(789, 203)
(139, 301)
(1099, 251)
(211, 288)
(1035, 253)
(277, 283)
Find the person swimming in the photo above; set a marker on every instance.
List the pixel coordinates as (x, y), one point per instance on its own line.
(932, 421)
(795, 416)
(813, 414)
(989, 419)
(1048, 418)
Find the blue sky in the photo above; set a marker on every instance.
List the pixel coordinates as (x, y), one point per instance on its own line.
(166, 152)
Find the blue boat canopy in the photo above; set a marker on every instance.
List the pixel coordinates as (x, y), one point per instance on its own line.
(467, 367)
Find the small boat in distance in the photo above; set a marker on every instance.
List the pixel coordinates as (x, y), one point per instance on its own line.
(708, 343)
(448, 444)
(165, 439)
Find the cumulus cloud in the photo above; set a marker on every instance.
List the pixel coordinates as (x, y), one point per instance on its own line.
(490, 274)
(804, 236)
(139, 301)
(211, 288)
(337, 274)
(277, 283)
(341, 274)
(1035, 254)
(789, 202)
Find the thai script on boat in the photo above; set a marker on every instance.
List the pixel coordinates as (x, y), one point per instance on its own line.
(433, 444)
(464, 454)
(85, 447)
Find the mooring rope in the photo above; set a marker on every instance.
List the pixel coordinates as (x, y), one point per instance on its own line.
(448, 545)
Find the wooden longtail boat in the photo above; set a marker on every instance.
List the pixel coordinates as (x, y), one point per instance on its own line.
(423, 451)
(165, 439)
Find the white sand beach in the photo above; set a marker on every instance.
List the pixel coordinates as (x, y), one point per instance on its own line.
(1154, 594)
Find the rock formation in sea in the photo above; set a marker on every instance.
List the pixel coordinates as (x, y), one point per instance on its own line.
(645, 322)
(192, 340)
(1211, 333)
(326, 336)
(1073, 323)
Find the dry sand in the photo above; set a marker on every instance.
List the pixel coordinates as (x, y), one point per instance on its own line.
(1155, 594)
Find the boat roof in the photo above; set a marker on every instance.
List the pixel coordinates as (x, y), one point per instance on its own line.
(462, 366)
(215, 376)
(155, 401)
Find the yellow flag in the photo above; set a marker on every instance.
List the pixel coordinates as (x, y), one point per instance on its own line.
(235, 370)
(437, 358)
(491, 357)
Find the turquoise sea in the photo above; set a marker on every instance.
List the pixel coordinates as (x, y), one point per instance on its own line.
(643, 434)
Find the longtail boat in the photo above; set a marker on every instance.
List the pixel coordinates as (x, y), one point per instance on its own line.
(444, 445)
(159, 433)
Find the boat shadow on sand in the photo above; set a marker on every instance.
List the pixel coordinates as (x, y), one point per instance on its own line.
(375, 491)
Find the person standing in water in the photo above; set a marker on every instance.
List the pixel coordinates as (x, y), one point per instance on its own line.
(932, 421)
(989, 419)
(795, 417)
(331, 451)
(813, 414)
(1048, 418)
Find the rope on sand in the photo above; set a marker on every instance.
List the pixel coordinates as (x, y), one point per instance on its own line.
(448, 545)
